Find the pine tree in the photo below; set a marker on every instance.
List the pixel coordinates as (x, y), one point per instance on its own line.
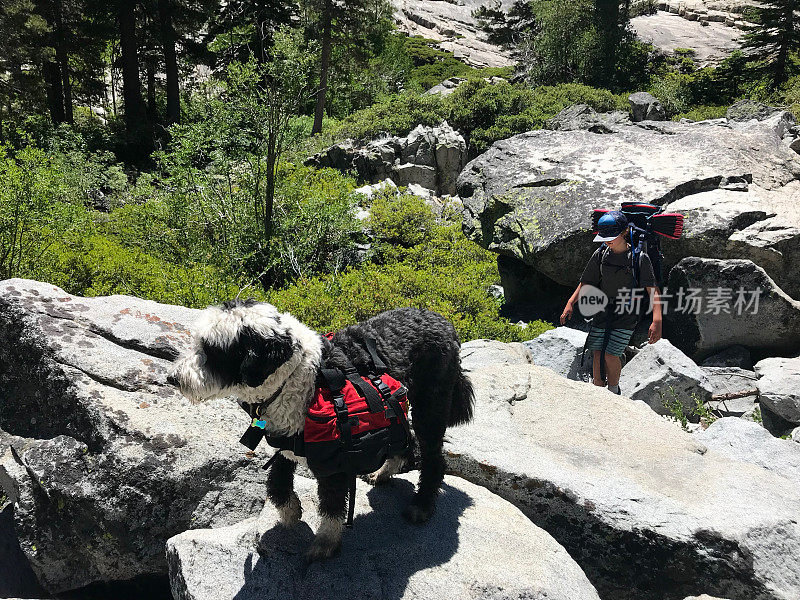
(354, 26)
(507, 29)
(166, 10)
(136, 122)
(23, 33)
(609, 28)
(774, 38)
(244, 28)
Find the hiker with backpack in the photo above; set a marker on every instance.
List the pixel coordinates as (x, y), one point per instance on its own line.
(616, 267)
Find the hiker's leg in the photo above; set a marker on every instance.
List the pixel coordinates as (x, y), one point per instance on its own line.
(613, 368)
(596, 376)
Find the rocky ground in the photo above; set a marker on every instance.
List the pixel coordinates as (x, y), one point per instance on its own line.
(710, 28)
(450, 23)
(558, 489)
(711, 42)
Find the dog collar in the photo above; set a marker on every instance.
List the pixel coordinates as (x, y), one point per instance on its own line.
(258, 408)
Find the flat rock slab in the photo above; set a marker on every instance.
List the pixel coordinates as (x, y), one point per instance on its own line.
(102, 459)
(711, 43)
(475, 546)
(750, 442)
(646, 510)
(452, 25)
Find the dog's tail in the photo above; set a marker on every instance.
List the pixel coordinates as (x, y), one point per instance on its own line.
(463, 403)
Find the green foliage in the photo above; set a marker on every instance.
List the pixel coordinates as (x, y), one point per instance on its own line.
(702, 113)
(38, 206)
(229, 200)
(488, 113)
(672, 403)
(444, 272)
(682, 89)
(208, 216)
(774, 38)
(568, 41)
(698, 412)
(430, 65)
(398, 114)
(481, 111)
(94, 265)
(564, 46)
(401, 220)
(644, 7)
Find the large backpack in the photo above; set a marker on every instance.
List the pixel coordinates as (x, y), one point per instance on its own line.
(648, 224)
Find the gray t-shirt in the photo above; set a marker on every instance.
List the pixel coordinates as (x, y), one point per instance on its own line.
(618, 274)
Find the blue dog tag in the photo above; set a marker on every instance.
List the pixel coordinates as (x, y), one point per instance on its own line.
(259, 424)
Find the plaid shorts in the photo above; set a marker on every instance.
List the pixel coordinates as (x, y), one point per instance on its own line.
(617, 340)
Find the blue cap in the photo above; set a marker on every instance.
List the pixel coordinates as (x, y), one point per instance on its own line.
(610, 226)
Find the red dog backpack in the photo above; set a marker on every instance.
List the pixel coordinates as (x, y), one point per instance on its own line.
(353, 424)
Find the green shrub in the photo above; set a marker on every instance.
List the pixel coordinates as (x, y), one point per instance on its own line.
(403, 220)
(97, 266)
(482, 112)
(213, 196)
(445, 272)
(39, 206)
(679, 413)
(398, 115)
(644, 7)
(702, 113)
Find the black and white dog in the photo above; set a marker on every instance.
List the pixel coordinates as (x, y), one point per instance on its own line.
(250, 351)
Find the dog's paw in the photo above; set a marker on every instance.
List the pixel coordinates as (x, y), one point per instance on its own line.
(391, 466)
(322, 549)
(416, 514)
(289, 514)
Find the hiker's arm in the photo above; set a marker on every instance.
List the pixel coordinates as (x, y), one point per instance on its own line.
(655, 301)
(570, 304)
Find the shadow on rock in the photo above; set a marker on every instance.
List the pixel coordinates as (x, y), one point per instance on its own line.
(380, 555)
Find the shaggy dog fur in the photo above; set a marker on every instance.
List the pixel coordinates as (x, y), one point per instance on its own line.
(251, 351)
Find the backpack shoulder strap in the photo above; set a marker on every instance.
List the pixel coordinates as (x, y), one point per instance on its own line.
(602, 250)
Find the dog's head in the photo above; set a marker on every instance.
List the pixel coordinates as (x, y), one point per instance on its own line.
(240, 348)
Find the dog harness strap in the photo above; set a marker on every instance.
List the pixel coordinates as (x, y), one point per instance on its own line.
(368, 392)
(351, 509)
(372, 348)
(394, 405)
(271, 460)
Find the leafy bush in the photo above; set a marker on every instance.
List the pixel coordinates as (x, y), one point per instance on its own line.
(702, 113)
(403, 220)
(697, 413)
(682, 89)
(398, 115)
(94, 265)
(481, 111)
(644, 7)
(38, 207)
(214, 208)
(444, 272)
